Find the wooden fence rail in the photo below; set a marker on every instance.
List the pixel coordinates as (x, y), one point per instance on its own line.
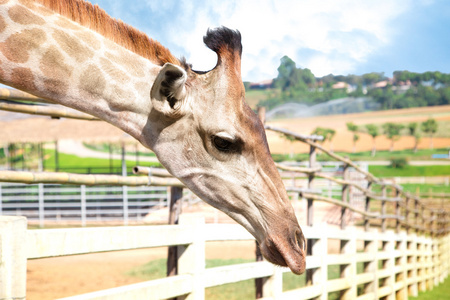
(376, 264)
(436, 222)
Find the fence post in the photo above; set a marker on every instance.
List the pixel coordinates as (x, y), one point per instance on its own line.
(390, 263)
(259, 282)
(371, 247)
(348, 271)
(41, 204)
(397, 211)
(422, 216)
(383, 209)
(367, 207)
(345, 199)
(176, 193)
(407, 225)
(310, 212)
(273, 285)
(413, 288)
(191, 258)
(83, 205)
(416, 214)
(13, 259)
(320, 249)
(402, 263)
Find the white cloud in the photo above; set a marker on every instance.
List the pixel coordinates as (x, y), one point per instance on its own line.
(338, 34)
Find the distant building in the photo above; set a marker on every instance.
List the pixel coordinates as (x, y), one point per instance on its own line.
(262, 85)
(344, 85)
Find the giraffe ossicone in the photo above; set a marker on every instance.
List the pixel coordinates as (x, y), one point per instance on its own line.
(197, 123)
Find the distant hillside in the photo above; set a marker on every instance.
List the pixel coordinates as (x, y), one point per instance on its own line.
(404, 89)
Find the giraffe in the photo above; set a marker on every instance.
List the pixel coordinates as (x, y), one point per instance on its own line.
(197, 123)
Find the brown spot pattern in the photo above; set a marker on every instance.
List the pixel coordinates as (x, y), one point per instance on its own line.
(92, 82)
(17, 47)
(56, 86)
(21, 15)
(72, 46)
(2, 24)
(23, 78)
(57, 73)
(3, 1)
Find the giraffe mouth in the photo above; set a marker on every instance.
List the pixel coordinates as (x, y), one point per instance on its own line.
(286, 252)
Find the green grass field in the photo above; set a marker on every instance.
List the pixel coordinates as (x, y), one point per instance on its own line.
(440, 292)
(425, 188)
(74, 164)
(388, 171)
(233, 291)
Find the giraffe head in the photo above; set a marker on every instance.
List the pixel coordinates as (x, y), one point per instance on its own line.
(210, 139)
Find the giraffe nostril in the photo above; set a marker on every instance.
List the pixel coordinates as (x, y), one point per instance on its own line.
(300, 239)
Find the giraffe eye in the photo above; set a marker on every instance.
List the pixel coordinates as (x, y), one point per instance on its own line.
(221, 144)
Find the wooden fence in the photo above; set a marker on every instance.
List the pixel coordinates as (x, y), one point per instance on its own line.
(373, 264)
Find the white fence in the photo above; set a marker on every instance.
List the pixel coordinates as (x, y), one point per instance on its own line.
(373, 265)
(54, 202)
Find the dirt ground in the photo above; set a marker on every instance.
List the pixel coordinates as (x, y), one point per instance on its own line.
(343, 140)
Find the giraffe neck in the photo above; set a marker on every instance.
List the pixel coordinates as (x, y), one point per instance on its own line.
(50, 56)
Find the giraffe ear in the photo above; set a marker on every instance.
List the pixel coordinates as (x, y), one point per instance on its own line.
(169, 90)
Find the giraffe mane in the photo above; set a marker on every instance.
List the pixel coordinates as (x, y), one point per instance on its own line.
(95, 18)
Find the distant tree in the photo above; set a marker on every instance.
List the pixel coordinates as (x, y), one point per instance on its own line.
(414, 132)
(293, 81)
(331, 134)
(392, 131)
(353, 128)
(371, 78)
(430, 127)
(286, 74)
(372, 130)
(327, 134)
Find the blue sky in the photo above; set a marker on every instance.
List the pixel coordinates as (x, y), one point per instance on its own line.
(327, 36)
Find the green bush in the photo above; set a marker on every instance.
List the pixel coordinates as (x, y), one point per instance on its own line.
(399, 162)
